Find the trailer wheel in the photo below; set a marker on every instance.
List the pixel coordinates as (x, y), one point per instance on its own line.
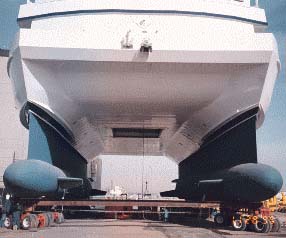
(239, 224)
(276, 226)
(260, 226)
(43, 220)
(269, 228)
(62, 219)
(47, 220)
(51, 218)
(7, 222)
(219, 219)
(26, 222)
(34, 221)
(59, 218)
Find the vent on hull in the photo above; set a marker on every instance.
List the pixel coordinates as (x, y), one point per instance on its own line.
(136, 132)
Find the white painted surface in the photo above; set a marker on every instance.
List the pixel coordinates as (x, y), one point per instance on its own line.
(223, 7)
(202, 71)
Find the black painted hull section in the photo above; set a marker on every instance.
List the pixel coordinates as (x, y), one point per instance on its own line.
(225, 168)
(53, 168)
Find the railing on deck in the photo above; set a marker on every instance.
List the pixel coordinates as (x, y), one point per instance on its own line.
(242, 2)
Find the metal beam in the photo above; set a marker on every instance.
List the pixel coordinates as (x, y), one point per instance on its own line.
(128, 203)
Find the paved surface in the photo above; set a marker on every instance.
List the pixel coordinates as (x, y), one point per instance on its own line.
(133, 229)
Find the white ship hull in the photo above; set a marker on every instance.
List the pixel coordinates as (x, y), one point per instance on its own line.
(204, 69)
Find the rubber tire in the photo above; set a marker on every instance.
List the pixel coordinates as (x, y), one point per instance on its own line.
(276, 226)
(51, 218)
(242, 225)
(219, 219)
(26, 223)
(57, 220)
(269, 227)
(260, 227)
(62, 219)
(7, 222)
(47, 220)
(34, 221)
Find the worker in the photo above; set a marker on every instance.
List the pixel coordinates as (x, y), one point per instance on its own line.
(166, 215)
(214, 211)
(6, 208)
(16, 214)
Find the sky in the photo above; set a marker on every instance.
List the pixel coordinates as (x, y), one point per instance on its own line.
(271, 137)
(159, 171)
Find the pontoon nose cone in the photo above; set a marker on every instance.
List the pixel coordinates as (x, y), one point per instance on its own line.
(32, 178)
(253, 182)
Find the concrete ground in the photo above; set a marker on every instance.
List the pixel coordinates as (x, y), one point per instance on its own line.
(103, 228)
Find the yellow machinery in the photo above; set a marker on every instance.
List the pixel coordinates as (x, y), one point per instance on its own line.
(272, 204)
(282, 202)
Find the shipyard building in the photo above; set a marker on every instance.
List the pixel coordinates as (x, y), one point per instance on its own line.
(13, 136)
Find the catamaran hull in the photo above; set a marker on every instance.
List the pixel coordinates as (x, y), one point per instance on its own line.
(105, 75)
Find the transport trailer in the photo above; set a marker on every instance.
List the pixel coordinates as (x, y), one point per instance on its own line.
(247, 216)
(243, 216)
(30, 218)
